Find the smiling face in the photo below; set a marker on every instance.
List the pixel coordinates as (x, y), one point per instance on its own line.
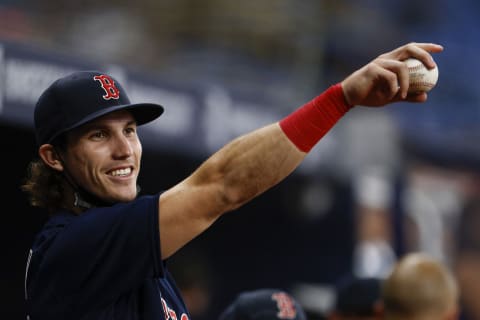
(103, 156)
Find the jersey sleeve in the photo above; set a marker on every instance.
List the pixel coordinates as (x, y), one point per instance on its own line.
(104, 252)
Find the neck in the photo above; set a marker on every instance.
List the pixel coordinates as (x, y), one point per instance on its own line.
(78, 200)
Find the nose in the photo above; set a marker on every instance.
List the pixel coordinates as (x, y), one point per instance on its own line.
(122, 147)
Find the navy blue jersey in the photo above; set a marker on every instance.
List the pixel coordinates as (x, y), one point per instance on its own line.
(102, 264)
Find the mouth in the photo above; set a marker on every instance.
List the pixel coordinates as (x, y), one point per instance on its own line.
(121, 172)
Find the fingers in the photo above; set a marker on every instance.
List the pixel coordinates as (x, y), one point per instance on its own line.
(398, 77)
(417, 97)
(390, 82)
(421, 51)
(386, 78)
(394, 61)
(372, 85)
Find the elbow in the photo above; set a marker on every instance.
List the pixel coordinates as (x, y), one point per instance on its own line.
(230, 188)
(233, 198)
(236, 193)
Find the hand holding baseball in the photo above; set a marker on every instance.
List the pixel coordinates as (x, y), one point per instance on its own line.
(387, 78)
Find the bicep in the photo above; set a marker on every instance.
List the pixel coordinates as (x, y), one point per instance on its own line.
(185, 211)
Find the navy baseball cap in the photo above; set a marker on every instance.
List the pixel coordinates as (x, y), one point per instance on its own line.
(80, 97)
(264, 304)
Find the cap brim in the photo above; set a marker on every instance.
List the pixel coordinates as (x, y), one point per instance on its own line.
(142, 112)
(145, 112)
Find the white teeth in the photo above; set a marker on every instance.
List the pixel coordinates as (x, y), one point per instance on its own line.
(121, 172)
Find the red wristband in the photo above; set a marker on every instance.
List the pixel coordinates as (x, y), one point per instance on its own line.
(308, 124)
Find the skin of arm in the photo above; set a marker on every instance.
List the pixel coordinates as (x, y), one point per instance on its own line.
(243, 169)
(256, 161)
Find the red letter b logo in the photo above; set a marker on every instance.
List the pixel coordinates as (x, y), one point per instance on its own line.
(107, 83)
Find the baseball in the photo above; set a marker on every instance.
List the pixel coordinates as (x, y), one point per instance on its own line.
(421, 79)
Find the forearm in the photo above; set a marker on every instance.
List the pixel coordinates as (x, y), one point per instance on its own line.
(251, 164)
(257, 161)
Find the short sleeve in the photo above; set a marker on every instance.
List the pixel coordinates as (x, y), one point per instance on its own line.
(103, 253)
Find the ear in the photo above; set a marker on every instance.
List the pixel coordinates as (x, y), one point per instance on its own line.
(50, 156)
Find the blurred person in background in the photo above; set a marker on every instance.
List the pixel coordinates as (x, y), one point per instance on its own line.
(467, 258)
(420, 288)
(374, 251)
(264, 304)
(441, 215)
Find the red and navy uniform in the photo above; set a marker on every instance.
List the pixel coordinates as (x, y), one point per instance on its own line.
(102, 264)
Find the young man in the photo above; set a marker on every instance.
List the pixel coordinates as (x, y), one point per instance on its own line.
(102, 254)
(420, 288)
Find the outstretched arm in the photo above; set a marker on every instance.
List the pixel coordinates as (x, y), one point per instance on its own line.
(238, 172)
(255, 162)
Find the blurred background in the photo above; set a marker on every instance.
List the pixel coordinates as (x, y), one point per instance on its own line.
(380, 184)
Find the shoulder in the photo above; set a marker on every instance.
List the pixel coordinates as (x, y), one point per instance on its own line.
(55, 224)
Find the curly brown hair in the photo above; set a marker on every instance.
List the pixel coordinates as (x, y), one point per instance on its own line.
(46, 187)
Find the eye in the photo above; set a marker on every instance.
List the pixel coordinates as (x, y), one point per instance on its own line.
(98, 135)
(130, 131)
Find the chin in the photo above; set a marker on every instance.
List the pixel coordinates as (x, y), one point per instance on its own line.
(126, 198)
(122, 196)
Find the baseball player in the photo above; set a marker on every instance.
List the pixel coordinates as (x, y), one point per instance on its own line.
(420, 288)
(264, 304)
(103, 252)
